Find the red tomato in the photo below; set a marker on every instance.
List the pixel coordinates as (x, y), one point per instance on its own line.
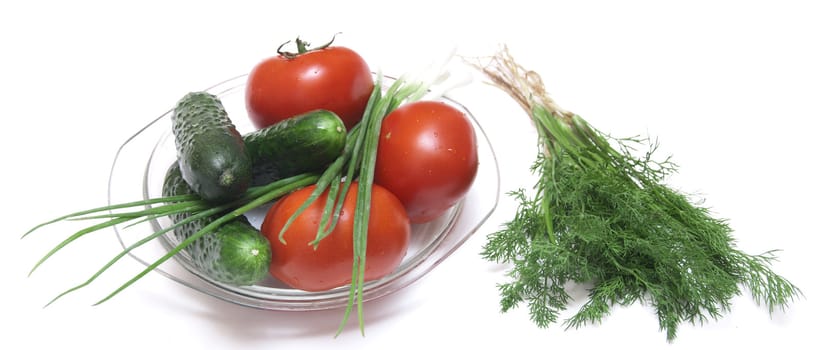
(334, 78)
(427, 157)
(299, 265)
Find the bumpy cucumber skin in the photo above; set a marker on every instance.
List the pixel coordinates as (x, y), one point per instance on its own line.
(305, 143)
(212, 155)
(236, 253)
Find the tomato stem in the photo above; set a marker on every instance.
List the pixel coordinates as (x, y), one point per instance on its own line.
(302, 47)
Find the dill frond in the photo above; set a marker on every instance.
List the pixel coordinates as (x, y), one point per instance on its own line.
(601, 214)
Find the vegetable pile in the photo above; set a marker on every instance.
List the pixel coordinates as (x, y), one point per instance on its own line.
(601, 215)
(342, 194)
(349, 166)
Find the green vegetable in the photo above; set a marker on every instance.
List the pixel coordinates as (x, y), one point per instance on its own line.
(196, 208)
(357, 163)
(304, 143)
(603, 216)
(212, 155)
(235, 253)
(192, 206)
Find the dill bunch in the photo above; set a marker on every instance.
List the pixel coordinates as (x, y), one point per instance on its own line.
(601, 215)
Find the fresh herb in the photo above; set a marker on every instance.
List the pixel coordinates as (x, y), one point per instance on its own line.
(357, 163)
(166, 206)
(601, 215)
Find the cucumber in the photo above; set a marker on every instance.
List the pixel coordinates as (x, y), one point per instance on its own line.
(211, 152)
(235, 253)
(305, 143)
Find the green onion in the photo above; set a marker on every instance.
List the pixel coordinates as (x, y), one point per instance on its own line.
(357, 164)
(198, 209)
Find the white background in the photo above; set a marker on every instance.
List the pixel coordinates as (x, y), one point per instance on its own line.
(730, 88)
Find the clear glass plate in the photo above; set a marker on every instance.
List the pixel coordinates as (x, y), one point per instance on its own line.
(139, 168)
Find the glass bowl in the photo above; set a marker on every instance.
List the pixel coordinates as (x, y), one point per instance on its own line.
(432, 242)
